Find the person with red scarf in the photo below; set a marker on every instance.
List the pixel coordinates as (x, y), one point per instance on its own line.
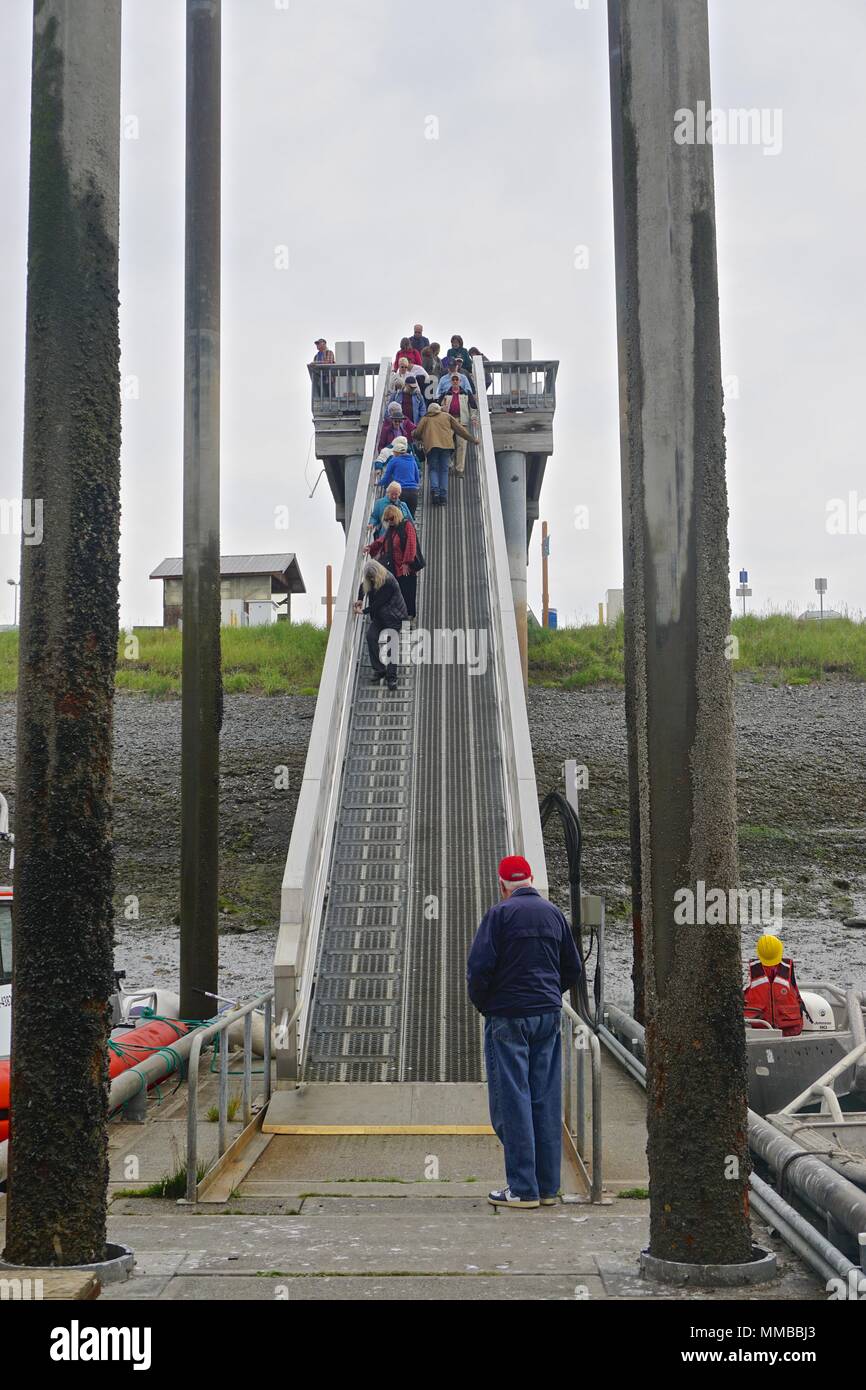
(397, 550)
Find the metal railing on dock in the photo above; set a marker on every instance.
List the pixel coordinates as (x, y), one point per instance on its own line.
(206, 1035)
(578, 1043)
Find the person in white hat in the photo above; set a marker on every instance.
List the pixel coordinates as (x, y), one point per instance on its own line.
(403, 469)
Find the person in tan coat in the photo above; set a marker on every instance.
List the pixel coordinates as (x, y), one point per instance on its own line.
(438, 433)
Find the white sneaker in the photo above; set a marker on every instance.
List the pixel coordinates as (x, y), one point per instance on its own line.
(504, 1197)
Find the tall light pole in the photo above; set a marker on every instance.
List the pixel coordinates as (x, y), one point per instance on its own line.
(202, 676)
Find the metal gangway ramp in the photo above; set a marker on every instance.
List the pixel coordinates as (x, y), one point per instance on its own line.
(408, 801)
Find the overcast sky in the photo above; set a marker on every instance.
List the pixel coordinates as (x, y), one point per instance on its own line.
(325, 111)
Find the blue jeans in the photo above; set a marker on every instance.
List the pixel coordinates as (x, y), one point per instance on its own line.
(438, 461)
(524, 1083)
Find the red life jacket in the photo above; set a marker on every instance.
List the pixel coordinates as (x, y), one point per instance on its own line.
(776, 1000)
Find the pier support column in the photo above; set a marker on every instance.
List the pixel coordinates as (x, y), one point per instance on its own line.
(64, 864)
(678, 596)
(511, 470)
(352, 473)
(202, 705)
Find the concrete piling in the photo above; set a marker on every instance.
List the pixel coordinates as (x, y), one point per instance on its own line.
(202, 676)
(677, 597)
(63, 912)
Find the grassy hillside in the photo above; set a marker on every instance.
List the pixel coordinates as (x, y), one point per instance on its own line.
(287, 659)
(280, 659)
(776, 648)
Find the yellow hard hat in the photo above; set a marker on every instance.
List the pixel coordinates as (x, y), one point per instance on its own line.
(770, 950)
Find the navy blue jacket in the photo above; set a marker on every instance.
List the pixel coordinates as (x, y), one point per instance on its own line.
(523, 958)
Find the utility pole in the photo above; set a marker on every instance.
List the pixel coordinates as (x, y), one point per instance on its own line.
(678, 614)
(64, 880)
(202, 676)
(545, 591)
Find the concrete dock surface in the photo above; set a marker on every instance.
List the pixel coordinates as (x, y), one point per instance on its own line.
(389, 1216)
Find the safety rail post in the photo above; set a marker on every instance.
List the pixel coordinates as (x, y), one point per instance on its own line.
(268, 1057)
(202, 1036)
(223, 1095)
(247, 1080)
(580, 1038)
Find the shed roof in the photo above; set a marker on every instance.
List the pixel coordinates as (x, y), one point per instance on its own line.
(281, 567)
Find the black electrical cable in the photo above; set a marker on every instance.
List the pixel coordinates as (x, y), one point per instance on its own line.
(556, 801)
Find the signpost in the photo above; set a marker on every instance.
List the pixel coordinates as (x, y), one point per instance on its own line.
(744, 591)
(328, 596)
(820, 590)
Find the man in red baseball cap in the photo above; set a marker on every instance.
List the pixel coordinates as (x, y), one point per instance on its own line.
(522, 961)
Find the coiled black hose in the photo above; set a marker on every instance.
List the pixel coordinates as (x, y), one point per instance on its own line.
(556, 801)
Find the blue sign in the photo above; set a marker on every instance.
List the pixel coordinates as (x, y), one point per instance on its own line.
(551, 618)
(744, 576)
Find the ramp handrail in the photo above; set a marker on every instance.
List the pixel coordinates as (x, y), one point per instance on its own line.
(205, 1035)
(578, 1040)
(306, 871)
(521, 792)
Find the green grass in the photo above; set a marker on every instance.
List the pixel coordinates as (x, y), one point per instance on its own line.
(801, 652)
(574, 657)
(282, 659)
(778, 647)
(213, 1112)
(286, 658)
(172, 1185)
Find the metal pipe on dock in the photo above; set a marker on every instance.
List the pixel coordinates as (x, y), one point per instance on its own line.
(149, 1072)
(813, 1180)
(796, 1231)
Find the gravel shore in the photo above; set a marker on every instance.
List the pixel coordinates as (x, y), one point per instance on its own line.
(802, 805)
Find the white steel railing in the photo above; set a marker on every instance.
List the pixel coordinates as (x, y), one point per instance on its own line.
(306, 871)
(521, 792)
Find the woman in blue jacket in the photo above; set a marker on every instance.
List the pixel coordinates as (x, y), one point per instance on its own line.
(403, 469)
